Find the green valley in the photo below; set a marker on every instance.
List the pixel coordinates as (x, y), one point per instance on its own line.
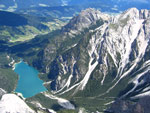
(20, 27)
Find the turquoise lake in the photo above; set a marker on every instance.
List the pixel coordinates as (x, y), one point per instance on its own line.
(29, 83)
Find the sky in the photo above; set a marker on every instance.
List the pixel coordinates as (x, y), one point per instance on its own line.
(142, 1)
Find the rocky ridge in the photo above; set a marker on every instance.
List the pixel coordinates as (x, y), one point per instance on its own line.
(85, 19)
(13, 104)
(113, 57)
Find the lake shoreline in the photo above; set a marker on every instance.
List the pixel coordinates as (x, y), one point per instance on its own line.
(29, 83)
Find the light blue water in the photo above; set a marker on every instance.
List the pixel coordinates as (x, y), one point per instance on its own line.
(28, 84)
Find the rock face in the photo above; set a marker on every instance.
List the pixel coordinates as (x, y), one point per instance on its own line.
(2, 92)
(112, 57)
(122, 106)
(84, 20)
(114, 49)
(10, 103)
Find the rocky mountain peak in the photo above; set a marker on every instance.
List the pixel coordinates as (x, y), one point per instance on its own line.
(93, 14)
(85, 19)
(128, 18)
(130, 13)
(135, 13)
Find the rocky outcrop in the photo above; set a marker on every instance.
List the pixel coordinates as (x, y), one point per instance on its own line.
(10, 103)
(2, 92)
(85, 19)
(124, 106)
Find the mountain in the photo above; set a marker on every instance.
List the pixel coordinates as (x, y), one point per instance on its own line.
(116, 5)
(103, 5)
(58, 12)
(13, 104)
(114, 35)
(84, 20)
(91, 62)
(105, 60)
(125, 4)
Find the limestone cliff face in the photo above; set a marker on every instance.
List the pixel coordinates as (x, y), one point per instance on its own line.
(85, 19)
(116, 49)
(10, 103)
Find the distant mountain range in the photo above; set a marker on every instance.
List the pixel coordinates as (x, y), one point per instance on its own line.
(121, 5)
(12, 5)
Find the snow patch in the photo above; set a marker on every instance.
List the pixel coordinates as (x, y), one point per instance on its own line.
(12, 62)
(51, 111)
(141, 95)
(109, 103)
(62, 102)
(136, 82)
(47, 83)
